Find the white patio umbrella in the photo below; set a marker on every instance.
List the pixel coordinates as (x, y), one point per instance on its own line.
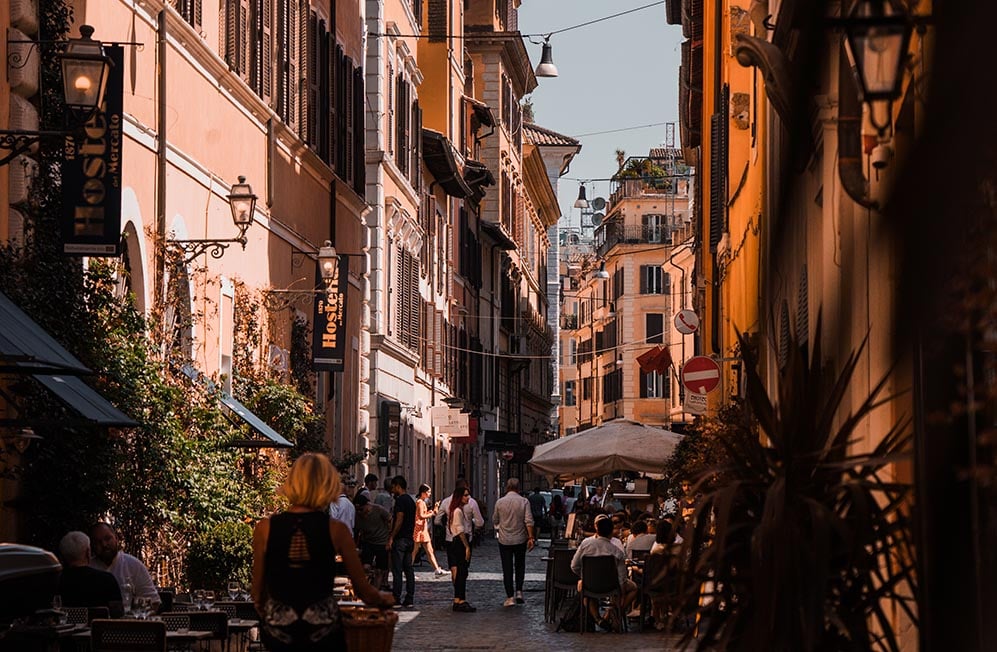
(617, 445)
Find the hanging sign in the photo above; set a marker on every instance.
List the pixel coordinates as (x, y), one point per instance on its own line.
(457, 425)
(91, 174)
(329, 324)
(389, 433)
(686, 322)
(694, 403)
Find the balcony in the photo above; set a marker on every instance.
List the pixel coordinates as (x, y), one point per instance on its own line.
(610, 234)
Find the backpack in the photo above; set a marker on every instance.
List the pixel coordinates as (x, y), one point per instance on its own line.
(568, 616)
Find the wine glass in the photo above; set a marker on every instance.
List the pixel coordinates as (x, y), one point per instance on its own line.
(141, 607)
(234, 588)
(209, 600)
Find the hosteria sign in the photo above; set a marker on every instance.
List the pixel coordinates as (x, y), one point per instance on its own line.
(91, 174)
(329, 325)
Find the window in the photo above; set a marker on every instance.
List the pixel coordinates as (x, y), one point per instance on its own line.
(654, 385)
(618, 283)
(586, 389)
(652, 280)
(573, 351)
(408, 303)
(191, 12)
(612, 386)
(654, 328)
(655, 228)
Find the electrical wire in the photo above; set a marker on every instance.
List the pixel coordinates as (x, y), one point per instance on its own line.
(543, 35)
(616, 131)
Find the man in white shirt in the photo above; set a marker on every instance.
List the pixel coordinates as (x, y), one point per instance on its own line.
(132, 575)
(513, 520)
(601, 545)
(342, 509)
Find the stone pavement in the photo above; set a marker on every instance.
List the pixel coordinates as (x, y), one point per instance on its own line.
(431, 625)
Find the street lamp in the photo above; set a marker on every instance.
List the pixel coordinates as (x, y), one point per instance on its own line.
(581, 202)
(878, 37)
(546, 67)
(242, 203)
(85, 69)
(328, 266)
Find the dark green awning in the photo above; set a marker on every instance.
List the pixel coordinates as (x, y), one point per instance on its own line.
(273, 438)
(25, 347)
(79, 396)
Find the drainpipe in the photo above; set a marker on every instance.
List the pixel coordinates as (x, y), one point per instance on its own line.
(159, 291)
(718, 41)
(853, 179)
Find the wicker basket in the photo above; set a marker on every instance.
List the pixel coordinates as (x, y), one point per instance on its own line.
(368, 630)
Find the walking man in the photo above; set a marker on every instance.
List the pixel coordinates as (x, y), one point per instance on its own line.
(401, 543)
(513, 520)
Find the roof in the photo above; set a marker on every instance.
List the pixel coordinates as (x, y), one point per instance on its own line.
(663, 153)
(542, 136)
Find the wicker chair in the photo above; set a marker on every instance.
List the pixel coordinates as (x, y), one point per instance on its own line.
(77, 615)
(600, 580)
(127, 636)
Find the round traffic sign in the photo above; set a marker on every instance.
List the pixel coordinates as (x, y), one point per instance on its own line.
(701, 374)
(686, 322)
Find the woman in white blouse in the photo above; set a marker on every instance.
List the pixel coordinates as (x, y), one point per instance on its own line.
(459, 550)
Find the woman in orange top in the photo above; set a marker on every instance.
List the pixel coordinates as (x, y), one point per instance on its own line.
(421, 533)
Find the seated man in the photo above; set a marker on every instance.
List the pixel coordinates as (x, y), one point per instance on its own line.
(602, 545)
(640, 539)
(82, 586)
(132, 575)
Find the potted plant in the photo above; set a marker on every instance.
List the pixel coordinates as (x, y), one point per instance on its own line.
(799, 543)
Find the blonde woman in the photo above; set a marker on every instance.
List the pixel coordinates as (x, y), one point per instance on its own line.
(421, 534)
(294, 564)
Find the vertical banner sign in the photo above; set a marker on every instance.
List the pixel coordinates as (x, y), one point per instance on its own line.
(329, 324)
(91, 174)
(389, 433)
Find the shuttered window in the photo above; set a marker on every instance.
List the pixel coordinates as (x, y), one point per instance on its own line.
(237, 37)
(654, 385)
(402, 119)
(358, 132)
(311, 78)
(438, 20)
(654, 328)
(191, 12)
(803, 310)
(718, 171)
(287, 63)
(652, 280)
(415, 148)
(261, 70)
(408, 303)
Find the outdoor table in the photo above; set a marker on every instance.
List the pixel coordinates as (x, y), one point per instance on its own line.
(241, 627)
(178, 637)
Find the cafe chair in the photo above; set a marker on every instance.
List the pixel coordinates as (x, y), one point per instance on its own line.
(601, 581)
(244, 609)
(175, 621)
(228, 608)
(660, 582)
(215, 622)
(77, 615)
(127, 636)
(563, 579)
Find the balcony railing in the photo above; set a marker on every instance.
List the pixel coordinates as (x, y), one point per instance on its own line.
(610, 234)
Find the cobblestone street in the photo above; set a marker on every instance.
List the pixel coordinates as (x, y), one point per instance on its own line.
(431, 625)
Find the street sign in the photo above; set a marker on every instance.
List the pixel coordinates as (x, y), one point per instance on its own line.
(695, 403)
(686, 322)
(700, 375)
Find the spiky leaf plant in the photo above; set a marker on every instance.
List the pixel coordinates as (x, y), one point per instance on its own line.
(801, 543)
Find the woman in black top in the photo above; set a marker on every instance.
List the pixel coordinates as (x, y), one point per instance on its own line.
(294, 564)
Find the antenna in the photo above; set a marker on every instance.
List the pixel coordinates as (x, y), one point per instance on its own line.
(670, 135)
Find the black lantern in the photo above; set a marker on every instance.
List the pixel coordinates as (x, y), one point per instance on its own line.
(85, 69)
(546, 67)
(581, 202)
(242, 202)
(878, 37)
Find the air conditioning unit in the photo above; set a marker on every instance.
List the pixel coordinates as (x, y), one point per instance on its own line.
(23, 116)
(22, 172)
(15, 228)
(24, 15)
(22, 64)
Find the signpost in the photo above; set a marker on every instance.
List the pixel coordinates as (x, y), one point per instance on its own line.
(700, 375)
(686, 322)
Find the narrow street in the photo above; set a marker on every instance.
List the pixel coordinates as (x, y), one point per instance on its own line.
(431, 625)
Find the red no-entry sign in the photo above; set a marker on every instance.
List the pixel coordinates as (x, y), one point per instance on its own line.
(701, 375)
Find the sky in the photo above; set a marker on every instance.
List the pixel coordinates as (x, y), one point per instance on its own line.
(614, 74)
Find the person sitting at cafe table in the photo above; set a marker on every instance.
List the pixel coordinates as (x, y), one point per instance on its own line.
(602, 545)
(640, 539)
(83, 586)
(132, 575)
(372, 531)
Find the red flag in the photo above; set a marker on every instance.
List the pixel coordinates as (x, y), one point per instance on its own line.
(662, 361)
(646, 359)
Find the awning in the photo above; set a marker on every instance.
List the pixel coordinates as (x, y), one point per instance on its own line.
(442, 163)
(272, 439)
(482, 111)
(498, 234)
(477, 176)
(25, 347)
(93, 407)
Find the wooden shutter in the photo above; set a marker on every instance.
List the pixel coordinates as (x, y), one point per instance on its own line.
(326, 80)
(191, 12)
(401, 118)
(803, 309)
(441, 338)
(245, 41)
(718, 172)
(389, 145)
(304, 22)
(311, 75)
(438, 20)
(359, 133)
(264, 55)
(331, 115)
(232, 34)
(415, 173)
(346, 147)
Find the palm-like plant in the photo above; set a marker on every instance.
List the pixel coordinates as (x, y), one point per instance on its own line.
(802, 544)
